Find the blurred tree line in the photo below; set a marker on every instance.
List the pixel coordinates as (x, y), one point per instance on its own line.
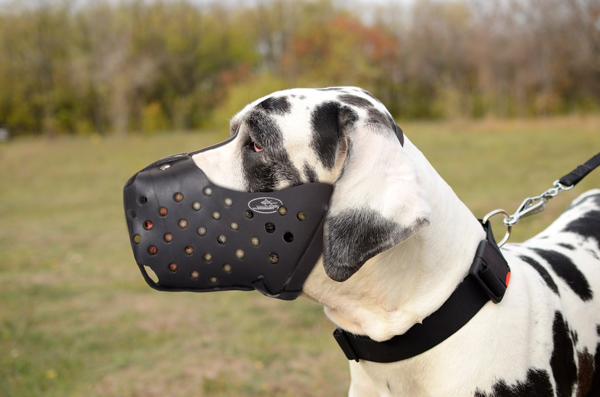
(104, 66)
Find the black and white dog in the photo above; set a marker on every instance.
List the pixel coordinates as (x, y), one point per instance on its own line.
(398, 241)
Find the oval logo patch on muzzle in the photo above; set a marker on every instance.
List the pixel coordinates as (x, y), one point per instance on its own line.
(197, 236)
(265, 205)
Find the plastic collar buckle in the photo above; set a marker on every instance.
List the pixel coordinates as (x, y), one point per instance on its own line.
(491, 271)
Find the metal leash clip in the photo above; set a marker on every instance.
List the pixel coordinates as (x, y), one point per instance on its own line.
(529, 206)
(535, 205)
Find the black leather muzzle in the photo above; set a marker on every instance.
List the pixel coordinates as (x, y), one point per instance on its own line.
(197, 236)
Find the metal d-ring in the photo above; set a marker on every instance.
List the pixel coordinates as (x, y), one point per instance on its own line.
(508, 227)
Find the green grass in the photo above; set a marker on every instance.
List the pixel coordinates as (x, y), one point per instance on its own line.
(497, 164)
(77, 319)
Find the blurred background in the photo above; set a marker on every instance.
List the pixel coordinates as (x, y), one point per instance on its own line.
(75, 66)
(502, 96)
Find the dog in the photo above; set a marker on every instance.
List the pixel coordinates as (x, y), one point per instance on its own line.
(398, 241)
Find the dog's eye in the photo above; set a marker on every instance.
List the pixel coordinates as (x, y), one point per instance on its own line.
(256, 147)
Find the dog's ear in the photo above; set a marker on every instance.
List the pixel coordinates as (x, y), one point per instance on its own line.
(377, 201)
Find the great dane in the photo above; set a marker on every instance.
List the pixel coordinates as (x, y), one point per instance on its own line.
(398, 242)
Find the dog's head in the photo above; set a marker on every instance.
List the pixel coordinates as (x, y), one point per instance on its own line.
(339, 135)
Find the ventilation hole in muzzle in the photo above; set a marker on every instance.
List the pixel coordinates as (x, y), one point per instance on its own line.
(214, 280)
(282, 210)
(255, 241)
(207, 257)
(216, 215)
(227, 268)
(196, 206)
(239, 253)
(207, 191)
(173, 267)
(189, 250)
(273, 258)
(288, 237)
(163, 211)
(228, 202)
(168, 237)
(249, 214)
(142, 200)
(183, 223)
(301, 216)
(131, 214)
(148, 225)
(151, 274)
(194, 275)
(222, 239)
(178, 197)
(269, 227)
(137, 239)
(202, 231)
(152, 250)
(234, 226)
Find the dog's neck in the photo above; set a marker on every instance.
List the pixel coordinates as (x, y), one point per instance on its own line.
(400, 287)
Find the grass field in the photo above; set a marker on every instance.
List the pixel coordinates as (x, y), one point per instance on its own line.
(77, 319)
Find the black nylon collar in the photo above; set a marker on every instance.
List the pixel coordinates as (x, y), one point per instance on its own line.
(487, 279)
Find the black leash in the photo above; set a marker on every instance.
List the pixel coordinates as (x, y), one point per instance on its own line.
(575, 176)
(535, 205)
(487, 280)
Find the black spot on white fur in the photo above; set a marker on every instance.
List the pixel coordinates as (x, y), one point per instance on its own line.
(585, 373)
(331, 89)
(328, 121)
(354, 236)
(595, 386)
(310, 173)
(543, 272)
(566, 269)
(562, 360)
(275, 105)
(594, 198)
(399, 133)
(326, 132)
(265, 170)
(369, 94)
(355, 100)
(537, 384)
(567, 246)
(588, 226)
(264, 129)
(377, 117)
